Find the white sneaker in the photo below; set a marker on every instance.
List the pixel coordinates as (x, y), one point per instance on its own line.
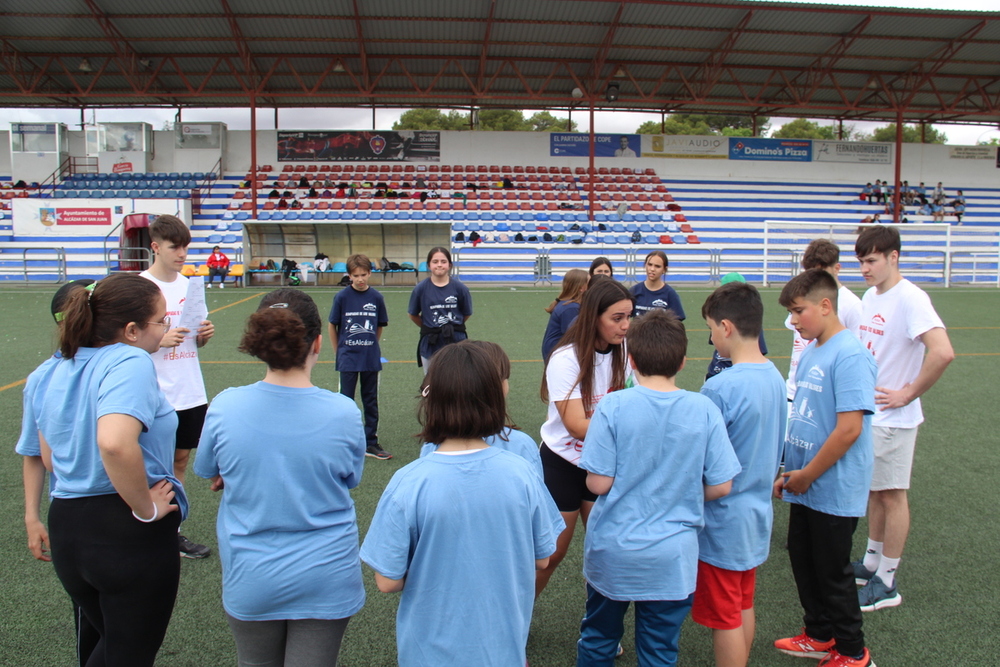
(222, 285)
(208, 285)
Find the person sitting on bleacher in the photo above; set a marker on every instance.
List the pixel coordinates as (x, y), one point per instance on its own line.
(218, 265)
(866, 193)
(877, 194)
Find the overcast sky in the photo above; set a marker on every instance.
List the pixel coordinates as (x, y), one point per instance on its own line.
(353, 118)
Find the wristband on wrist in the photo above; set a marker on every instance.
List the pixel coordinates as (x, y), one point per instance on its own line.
(156, 514)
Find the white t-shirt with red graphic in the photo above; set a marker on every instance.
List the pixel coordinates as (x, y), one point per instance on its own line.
(177, 368)
(561, 376)
(891, 326)
(849, 312)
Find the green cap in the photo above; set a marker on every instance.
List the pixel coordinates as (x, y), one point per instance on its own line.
(734, 277)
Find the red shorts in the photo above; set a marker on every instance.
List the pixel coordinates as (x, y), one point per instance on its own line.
(722, 596)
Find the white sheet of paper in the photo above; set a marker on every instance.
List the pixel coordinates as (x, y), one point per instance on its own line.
(195, 309)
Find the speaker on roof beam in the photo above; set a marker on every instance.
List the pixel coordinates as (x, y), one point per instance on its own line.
(611, 94)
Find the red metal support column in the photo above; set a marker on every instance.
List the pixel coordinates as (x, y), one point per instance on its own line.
(253, 153)
(899, 164)
(590, 170)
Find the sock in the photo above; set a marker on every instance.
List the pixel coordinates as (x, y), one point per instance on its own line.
(887, 571)
(873, 555)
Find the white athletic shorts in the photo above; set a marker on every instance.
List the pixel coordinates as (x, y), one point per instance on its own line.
(893, 457)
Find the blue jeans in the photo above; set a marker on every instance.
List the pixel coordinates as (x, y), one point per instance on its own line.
(657, 630)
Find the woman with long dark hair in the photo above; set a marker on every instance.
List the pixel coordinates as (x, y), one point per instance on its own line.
(590, 364)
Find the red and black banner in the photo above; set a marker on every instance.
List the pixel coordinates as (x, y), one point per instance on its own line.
(359, 145)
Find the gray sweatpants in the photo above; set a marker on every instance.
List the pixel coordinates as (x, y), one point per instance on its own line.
(291, 643)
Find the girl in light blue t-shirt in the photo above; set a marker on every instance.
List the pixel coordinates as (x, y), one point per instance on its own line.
(106, 431)
(461, 531)
(287, 454)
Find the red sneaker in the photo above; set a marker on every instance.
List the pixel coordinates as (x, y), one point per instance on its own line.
(804, 646)
(835, 659)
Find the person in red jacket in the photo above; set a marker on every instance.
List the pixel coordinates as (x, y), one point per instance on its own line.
(218, 265)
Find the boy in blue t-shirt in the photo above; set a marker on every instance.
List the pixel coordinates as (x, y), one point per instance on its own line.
(828, 469)
(655, 454)
(356, 321)
(737, 533)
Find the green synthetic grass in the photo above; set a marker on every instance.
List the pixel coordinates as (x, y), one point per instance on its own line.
(947, 577)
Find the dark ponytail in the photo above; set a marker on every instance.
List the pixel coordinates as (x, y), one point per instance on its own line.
(96, 317)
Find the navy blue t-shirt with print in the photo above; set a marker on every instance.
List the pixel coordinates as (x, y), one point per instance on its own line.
(358, 315)
(438, 306)
(647, 299)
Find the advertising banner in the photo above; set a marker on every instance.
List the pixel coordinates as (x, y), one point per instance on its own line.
(686, 147)
(370, 146)
(865, 152)
(85, 217)
(786, 150)
(971, 152)
(605, 145)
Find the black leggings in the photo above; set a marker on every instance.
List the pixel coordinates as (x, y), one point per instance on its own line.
(120, 572)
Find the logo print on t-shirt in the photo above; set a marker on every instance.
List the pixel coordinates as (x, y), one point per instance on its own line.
(878, 319)
(370, 307)
(451, 299)
(816, 373)
(659, 303)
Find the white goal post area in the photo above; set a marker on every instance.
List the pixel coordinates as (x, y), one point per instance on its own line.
(931, 252)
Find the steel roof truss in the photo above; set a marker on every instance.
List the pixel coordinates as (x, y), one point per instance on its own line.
(711, 69)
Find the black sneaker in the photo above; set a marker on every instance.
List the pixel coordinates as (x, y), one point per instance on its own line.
(189, 549)
(377, 452)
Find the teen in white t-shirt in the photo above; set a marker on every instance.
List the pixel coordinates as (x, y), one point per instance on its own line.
(176, 362)
(912, 350)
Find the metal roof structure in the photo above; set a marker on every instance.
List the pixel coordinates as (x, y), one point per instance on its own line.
(719, 56)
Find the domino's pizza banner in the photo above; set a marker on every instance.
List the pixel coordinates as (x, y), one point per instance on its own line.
(784, 150)
(360, 145)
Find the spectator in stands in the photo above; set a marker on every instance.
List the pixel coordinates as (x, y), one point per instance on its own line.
(937, 211)
(866, 193)
(905, 194)
(218, 265)
(282, 204)
(959, 206)
(925, 208)
(939, 195)
(303, 182)
(920, 191)
(601, 266)
(877, 194)
(291, 575)
(296, 204)
(273, 194)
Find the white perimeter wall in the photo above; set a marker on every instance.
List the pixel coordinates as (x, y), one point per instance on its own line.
(921, 162)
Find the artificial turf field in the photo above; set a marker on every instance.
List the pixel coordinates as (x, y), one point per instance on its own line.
(948, 576)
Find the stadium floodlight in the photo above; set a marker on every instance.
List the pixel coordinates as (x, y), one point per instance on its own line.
(84, 66)
(611, 94)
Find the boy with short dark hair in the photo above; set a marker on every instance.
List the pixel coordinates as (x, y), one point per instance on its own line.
(823, 254)
(177, 367)
(356, 321)
(737, 533)
(655, 454)
(911, 347)
(828, 468)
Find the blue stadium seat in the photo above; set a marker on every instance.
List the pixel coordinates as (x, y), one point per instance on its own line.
(133, 194)
(243, 215)
(161, 175)
(335, 215)
(237, 227)
(198, 176)
(264, 215)
(229, 239)
(172, 194)
(183, 194)
(146, 194)
(173, 175)
(291, 215)
(590, 238)
(680, 239)
(224, 225)
(651, 238)
(214, 238)
(277, 215)
(187, 176)
(160, 194)
(623, 238)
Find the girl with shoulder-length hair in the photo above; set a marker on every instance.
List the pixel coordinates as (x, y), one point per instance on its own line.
(440, 305)
(287, 454)
(461, 530)
(107, 433)
(590, 363)
(564, 309)
(653, 292)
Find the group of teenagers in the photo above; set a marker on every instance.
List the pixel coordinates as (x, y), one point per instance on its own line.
(673, 487)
